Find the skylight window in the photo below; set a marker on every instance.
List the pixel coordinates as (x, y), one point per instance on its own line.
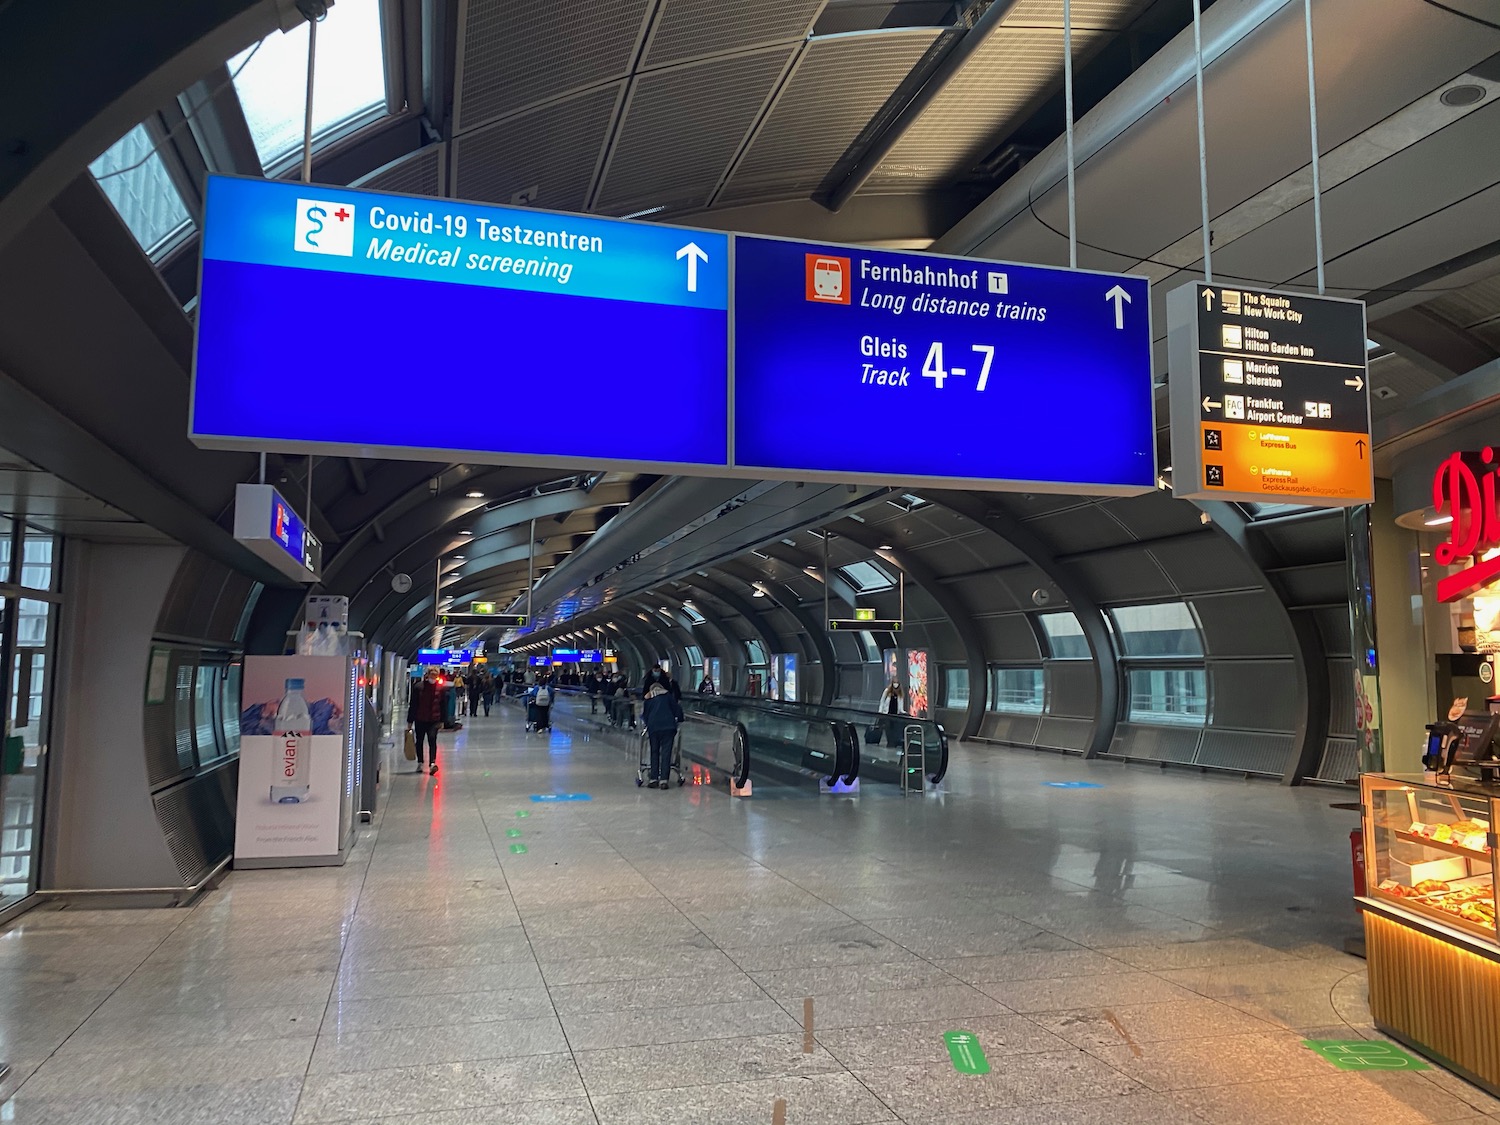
(132, 175)
(349, 82)
(867, 577)
(692, 613)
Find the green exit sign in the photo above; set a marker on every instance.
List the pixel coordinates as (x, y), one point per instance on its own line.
(864, 615)
(481, 607)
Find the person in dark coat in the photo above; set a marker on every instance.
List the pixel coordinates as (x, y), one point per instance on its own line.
(661, 714)
(424, 714)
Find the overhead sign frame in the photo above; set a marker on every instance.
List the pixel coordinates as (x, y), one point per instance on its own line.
(1300, 422)
(246, 261)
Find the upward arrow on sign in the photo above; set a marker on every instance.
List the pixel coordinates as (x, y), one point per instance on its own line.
(694, 254)
(1121, 299)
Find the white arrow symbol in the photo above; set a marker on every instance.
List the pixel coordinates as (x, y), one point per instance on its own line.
(1121, 299)
(1358, 383)
(1208, 300)
(1210, 404)
(694, 254)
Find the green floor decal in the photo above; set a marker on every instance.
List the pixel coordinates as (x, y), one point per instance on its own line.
(512, 832)
(966, 1053)
(1364, 1054)
(518, 849)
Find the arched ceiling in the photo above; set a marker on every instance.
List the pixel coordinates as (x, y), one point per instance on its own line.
(902, 122)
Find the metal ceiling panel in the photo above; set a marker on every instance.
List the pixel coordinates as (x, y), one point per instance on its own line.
(1469, 305)
(1141, 192)
(1074, 532)
(1122, 577)
(1444, 169)
(1008, 639)
(1242, 625)
(1395, 382)
(997, 88)
(513, 56)
(550, 154)
(1155, 515)
(1207, 564)
(1104, 15)
(691, 29)
(420, 173)
(683, 127)
(839, 84)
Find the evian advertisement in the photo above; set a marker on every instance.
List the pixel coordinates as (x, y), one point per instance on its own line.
(291, 758)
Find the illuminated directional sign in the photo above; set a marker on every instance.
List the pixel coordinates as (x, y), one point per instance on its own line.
(482, 607)
(488, 620)
(853, 363)
(1270, 396)
(872, 624)
(320, 307)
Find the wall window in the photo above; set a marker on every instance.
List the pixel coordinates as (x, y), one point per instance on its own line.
(1163, 629)
(955, 687)
(348, 83)
(1016, 690)
(132, 175)
(1169, 696)
(1065, 639)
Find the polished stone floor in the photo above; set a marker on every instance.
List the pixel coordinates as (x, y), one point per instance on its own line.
(1149, 952)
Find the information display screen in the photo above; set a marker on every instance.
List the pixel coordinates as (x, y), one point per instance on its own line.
(854, 363)
(1270, 397)
(332, 320)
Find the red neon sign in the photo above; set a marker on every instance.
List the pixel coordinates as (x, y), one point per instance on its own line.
(1464, 488)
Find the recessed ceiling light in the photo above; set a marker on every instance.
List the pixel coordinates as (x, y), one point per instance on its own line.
(466, 531)
(474, 495)
(883, 547)
(1438, 521)
(458, 558)
(1459, 96)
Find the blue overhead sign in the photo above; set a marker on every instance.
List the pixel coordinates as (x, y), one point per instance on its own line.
(336, 320)
(852, 362)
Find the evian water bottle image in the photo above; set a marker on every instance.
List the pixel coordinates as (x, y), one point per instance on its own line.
(293, 744)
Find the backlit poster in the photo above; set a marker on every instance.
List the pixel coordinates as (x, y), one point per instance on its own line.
(916, 682)
(292, 729)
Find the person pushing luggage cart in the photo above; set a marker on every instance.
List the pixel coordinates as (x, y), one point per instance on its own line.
(660, 715)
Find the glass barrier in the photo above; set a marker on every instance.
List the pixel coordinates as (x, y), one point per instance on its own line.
(864, 743)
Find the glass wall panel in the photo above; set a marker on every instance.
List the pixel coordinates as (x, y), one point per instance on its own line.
(1162, 629)
(229, 709)
(1016, 691)
(205, 699)
(1065, 639)
(1169, 696)
(955, 687)
(23, 758)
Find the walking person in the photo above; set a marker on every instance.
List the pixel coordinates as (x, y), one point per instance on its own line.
(661, 713)
(541, 700)
(487, 692)
(424, 715)
(476, 689)
(892, 703)
(592, 683)
(460, 691)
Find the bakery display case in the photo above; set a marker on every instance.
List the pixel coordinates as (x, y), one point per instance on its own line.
(1431, 938)
(1429, 848)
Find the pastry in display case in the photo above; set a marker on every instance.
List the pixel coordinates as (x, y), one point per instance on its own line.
(1430, 848)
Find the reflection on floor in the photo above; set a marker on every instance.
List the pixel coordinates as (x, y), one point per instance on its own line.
(1150, 951)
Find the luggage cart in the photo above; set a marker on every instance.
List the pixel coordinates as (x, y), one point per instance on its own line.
(644, 762)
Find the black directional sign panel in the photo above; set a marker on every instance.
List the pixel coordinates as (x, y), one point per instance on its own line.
(1270, 396)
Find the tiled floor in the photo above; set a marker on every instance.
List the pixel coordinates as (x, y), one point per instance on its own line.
(1151, 951)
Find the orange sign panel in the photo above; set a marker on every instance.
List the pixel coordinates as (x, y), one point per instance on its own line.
(1286, 465)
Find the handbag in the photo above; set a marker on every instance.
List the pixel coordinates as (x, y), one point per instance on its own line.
(409, 748)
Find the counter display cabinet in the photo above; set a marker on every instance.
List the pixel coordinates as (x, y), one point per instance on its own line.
(1431, 938)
